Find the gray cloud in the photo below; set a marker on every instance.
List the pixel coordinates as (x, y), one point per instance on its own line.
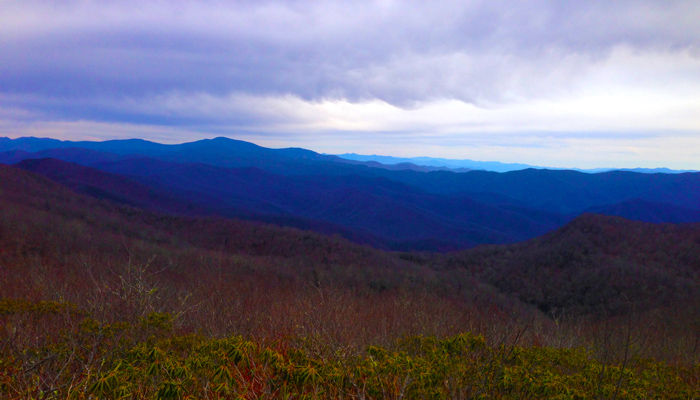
(303, 67)
(399, 52)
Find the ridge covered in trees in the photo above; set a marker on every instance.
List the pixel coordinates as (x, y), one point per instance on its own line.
(100, 299)
(405, 209)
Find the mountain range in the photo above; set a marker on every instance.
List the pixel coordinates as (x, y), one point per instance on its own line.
(495, 166)
(593, 264)
(405, 207)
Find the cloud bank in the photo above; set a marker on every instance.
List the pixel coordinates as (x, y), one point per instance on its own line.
(604, 83)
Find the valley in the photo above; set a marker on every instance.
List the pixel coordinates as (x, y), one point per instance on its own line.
(123, 275)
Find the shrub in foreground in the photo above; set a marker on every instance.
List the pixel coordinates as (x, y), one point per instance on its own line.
(150, 360)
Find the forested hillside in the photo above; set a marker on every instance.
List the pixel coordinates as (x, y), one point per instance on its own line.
(102, 299)
(595, 264)
(409, 209)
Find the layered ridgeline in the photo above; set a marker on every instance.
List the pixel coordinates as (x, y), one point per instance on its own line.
(401, 208)
(99, 298)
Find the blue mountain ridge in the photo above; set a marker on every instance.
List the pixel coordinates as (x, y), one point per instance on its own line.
(394, 209)
(465, 165)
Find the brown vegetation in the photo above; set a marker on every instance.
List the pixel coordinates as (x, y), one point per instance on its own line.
(97, 279)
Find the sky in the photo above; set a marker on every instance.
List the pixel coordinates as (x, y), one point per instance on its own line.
(576, 83)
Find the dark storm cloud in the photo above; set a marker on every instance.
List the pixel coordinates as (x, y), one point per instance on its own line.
(399, 52)
(502, 78)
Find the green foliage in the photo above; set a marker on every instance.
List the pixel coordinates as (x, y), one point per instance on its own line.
(159, 321)
(180, 366)
(20, 306)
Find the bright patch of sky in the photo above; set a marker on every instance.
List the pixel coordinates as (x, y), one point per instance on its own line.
(564, 84)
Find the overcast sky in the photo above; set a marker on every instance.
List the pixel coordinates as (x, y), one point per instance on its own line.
(556, 83)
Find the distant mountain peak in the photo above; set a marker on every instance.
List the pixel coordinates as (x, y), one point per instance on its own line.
(431, 162)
